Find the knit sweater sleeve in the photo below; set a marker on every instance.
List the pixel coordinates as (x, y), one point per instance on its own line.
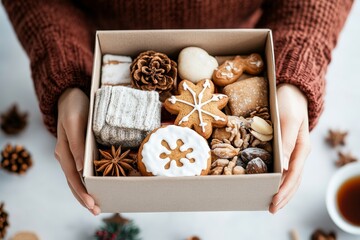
(57, 38)
(305, 32)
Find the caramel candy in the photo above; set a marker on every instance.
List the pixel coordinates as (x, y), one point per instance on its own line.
(246, 95)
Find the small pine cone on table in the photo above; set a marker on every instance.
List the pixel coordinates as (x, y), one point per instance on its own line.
(4, 224)
(153, 71)
(13, 121)
(15, 159)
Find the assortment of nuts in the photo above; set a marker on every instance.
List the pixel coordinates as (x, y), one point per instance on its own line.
(243, 146)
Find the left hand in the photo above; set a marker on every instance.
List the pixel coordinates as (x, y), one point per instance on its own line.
(73, 108)
(293, 110)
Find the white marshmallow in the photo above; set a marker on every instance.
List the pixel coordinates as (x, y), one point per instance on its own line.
(116, 70)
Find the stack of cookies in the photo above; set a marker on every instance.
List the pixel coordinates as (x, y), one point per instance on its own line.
(201, 115)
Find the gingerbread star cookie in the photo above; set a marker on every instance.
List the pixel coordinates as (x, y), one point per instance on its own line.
(198, 107)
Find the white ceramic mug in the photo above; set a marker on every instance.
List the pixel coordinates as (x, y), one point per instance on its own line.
(338, 179)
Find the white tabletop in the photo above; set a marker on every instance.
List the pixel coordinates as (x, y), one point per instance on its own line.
(40, 201)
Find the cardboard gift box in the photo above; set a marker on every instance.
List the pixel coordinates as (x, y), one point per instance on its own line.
(175, 194)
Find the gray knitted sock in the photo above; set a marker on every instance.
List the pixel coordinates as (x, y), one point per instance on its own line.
(124, 116)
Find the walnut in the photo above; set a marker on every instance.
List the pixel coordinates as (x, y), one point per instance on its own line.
(224, 149)
(226, 167)
(235, 132)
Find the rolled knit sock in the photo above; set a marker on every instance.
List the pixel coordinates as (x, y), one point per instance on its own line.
(124, 116)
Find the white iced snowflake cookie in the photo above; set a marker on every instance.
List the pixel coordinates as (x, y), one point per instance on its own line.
(195, 64)
(116, 70)
(174, 151)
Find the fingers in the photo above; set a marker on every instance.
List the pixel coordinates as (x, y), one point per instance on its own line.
(73, 119)
(95, 211)
(67, 163)
(279, 202)
(76, 195)
(293, 114)
(292, 177)
(75, 132)
(289, 133)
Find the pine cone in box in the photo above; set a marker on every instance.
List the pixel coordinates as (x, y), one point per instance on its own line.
(13, 121)
(3, 221)
(262, 112)
(15, 159)
(153, 71)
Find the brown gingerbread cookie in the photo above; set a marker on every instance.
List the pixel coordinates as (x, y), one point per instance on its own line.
(246, 95)
(231, 70)
(198, 107)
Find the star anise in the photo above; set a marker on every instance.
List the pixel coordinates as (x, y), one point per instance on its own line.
(319, 234)
(336, 137)
(114, 163)
(345, 158)
(13, 121)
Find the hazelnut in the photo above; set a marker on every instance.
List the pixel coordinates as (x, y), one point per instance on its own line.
(256, 166)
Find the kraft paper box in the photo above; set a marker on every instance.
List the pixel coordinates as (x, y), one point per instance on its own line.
(174, 194)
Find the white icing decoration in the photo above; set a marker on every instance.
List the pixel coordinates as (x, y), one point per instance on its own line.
(153, 149)
(227, 74)
(257, 63)
(199, 104)
(230, 69)
(172, 99)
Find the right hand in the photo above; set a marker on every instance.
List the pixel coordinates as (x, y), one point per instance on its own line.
(293, 111)
(73, 108)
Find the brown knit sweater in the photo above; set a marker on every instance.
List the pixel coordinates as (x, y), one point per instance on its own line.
(58, 36)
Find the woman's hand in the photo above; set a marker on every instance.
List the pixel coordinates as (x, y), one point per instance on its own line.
(73, 108)
(295, 142)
